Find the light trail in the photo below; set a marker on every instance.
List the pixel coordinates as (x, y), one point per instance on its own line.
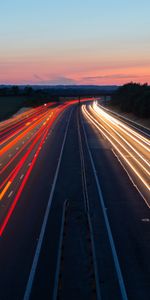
(125, 120)
(35, 139)
(24, 129)
(17, 153)
(120, 145)
(24, 115)
(23, 183)
(126, 142)
(13, 205)
(134, 140)
(21, 120)
(128, 131)
(21, 149)
(22, 134)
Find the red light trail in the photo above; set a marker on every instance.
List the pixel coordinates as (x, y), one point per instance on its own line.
(22, 138)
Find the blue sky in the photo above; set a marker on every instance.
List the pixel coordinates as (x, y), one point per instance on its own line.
(70, 39)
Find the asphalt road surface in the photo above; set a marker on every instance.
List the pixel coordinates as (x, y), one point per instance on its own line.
(74, 206)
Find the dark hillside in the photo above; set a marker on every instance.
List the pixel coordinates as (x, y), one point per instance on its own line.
(133, 97)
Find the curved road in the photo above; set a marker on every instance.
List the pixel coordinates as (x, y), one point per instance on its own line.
(79, 229)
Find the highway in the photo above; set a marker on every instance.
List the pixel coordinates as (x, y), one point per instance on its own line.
(74, 205)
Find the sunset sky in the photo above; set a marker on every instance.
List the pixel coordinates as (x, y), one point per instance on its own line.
(74, 41)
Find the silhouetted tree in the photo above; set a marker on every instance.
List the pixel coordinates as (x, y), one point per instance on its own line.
(15, 90)
(3, 91)
(133, 97)
(28, 91)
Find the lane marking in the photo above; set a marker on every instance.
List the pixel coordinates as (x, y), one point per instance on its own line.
(58, 264)
(21, 176)
(130, 178)
(87, 208)
(111, 241)
(10, 194)
(145, 220)
(43, 228)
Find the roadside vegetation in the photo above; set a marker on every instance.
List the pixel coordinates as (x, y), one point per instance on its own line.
(133, 98)
(129, 98)
(15, 97)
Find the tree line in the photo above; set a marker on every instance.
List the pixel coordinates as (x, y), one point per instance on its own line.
(133, 97)
(39, 94)
(32, 97)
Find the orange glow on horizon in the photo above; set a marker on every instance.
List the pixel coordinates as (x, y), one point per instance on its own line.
(85, 72)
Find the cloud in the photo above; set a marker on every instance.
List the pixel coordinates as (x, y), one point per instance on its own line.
(59, 80)
(37, 77)
(110, 76)
(62, 80)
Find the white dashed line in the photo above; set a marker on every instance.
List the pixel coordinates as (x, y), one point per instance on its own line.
(21, 176)
(10, 194)
(44, 224)
(145, 220)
